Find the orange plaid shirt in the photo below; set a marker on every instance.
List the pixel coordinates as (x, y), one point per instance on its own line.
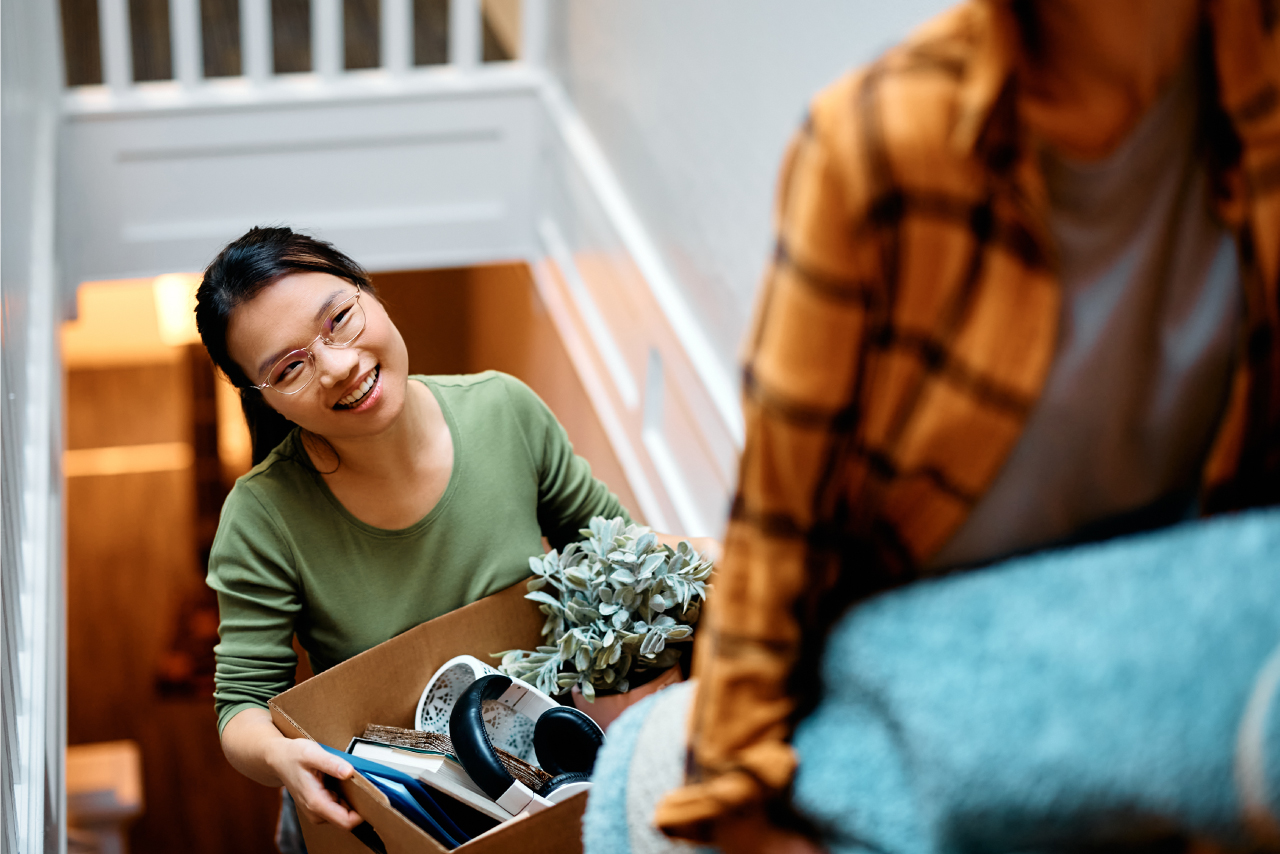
(902, 336)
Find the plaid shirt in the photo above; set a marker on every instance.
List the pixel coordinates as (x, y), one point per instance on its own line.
(902, 336)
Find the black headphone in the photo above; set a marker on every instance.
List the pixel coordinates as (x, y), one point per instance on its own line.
(564, 739)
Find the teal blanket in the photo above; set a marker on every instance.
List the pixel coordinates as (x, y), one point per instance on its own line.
(1120, 694)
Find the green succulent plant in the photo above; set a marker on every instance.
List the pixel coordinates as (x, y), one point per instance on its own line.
(614, 603)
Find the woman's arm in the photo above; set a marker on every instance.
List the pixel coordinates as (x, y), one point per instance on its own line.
(258, 750)
(251, 568)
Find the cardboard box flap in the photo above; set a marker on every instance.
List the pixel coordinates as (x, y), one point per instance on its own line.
(382, 685)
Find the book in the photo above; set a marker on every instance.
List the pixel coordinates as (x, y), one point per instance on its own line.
(440, 771)
(412, 799)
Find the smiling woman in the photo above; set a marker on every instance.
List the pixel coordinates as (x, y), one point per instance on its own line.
(372, 503)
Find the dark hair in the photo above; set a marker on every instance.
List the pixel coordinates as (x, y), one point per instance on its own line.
(240, 272)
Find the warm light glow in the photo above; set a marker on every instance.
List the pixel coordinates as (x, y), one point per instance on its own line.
(175, 295)
(235, 449)
(116, 325)
(127, 459)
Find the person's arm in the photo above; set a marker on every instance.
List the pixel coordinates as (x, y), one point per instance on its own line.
(251, 569)
(258, 750)
(803, 362)
(568, 494)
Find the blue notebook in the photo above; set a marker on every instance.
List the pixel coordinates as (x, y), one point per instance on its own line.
(413, 800)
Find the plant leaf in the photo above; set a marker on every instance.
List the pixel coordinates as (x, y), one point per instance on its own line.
(544, 598)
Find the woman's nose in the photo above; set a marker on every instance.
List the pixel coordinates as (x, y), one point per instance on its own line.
(334, 365)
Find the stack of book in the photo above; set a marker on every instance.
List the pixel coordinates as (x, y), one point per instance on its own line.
(451, 808)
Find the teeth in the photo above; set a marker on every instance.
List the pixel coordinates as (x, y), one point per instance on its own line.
(359, 393)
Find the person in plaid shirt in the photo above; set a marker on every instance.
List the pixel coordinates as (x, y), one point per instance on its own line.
(1026, 291)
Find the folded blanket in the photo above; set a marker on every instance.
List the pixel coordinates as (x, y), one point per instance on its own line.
(1122, 693)
(1085, 697)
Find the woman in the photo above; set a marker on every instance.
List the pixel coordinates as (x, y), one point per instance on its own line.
(379, 500)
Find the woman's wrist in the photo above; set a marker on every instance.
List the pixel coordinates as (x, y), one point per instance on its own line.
(254, 746)
(276, 750)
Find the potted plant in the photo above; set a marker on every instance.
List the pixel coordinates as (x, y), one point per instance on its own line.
(615, 603)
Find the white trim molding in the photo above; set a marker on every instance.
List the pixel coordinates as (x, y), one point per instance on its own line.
(679, 431)
(586, 152)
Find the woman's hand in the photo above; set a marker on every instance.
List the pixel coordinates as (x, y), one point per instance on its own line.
(259, 751)
(302, 766)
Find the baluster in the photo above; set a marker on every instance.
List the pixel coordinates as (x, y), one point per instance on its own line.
(533, 36)
(397, 35)
(255, 40)
(464, 34)
(326, 38)
(117, 53)
(188, 54)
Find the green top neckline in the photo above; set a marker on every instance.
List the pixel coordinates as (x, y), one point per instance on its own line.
(449, 490)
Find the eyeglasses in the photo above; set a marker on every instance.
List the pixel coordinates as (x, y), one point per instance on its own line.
(295, 370)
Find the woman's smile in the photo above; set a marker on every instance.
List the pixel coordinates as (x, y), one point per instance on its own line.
(366, 393)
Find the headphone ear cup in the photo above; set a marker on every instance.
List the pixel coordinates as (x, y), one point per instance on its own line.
(566, 741)
(565, 785)
(470, 740)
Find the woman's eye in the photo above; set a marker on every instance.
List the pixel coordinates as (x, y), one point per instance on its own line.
(339, 320)
(287, 370)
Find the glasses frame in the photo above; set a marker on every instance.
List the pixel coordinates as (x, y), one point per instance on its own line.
(311, 357)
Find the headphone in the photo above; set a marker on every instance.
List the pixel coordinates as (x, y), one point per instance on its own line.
(564, 739)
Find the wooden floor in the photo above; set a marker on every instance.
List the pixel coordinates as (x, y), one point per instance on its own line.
(132, 563)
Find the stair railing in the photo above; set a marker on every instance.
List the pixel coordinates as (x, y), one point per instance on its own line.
(395, 41)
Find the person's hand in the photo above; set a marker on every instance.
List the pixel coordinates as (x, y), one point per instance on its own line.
(302, 765)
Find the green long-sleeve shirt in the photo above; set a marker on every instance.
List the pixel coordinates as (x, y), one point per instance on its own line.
(288, 557)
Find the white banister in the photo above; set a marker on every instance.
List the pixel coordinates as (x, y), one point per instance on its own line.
(397, 36)
(326, 38)
(188, 53)
(117, 55)
(255, 40)
(533, 41)
(464, 34)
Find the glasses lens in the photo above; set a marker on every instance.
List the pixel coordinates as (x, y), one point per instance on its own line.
(292, 372)
(345, 323)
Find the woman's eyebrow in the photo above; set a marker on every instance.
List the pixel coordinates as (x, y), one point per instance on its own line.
(329, 303)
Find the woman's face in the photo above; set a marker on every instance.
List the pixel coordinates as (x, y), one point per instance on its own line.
(288, 315)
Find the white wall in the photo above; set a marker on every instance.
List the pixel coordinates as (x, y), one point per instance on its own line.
(693, 101)
(31, 602)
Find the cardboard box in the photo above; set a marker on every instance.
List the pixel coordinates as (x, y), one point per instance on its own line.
(382, 686)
